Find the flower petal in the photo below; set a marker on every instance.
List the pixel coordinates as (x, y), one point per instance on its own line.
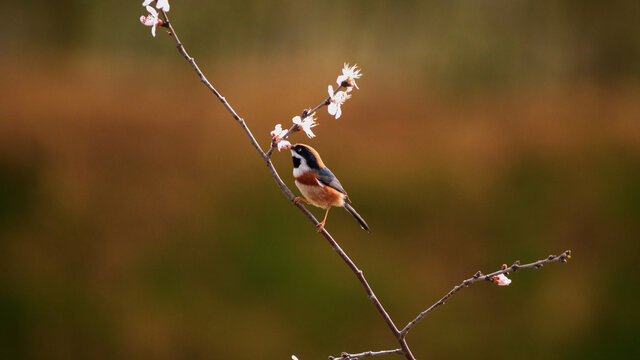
(283, 144)
(349, 76)
(332, 108)
(501, 280)
(307, 130)
(152, 11)
(163, 5)
(276, 130)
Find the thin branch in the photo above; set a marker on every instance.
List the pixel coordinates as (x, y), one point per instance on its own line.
(285, 190)
(489, 277)
(346, 356)
(400, 335)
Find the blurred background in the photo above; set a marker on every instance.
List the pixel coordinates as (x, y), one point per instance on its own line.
(137, 222)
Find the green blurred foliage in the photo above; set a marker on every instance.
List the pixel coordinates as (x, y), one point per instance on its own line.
(450, 43)
(137, 222)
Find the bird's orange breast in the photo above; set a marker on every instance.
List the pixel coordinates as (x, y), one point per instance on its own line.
(318, 194)
(308, 178)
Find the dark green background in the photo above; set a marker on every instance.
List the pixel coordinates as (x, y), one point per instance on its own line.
(136, 221)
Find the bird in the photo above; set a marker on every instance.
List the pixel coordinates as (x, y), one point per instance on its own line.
(318, 185)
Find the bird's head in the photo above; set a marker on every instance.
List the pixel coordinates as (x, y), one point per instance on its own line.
(305, 158)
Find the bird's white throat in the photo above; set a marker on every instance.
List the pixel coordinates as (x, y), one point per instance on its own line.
(298, 171)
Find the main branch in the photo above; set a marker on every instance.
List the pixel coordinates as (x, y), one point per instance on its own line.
(285, 190)
(266, 156)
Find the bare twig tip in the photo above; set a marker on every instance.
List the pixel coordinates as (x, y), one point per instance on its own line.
(496, 277)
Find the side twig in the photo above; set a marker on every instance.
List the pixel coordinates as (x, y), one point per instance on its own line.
(346, 356)
(562, 258)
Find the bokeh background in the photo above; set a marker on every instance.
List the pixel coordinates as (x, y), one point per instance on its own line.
(136, 221)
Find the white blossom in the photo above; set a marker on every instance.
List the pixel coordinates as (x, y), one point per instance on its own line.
(278, 132)
(306, 124)
(283, 144)
(349, 75)
(501, 280)
(160, 4)
(151, 20)
(337, 99)
(163, 5)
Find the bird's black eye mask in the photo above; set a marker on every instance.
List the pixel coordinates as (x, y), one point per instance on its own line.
(312, 162)
(296, 162)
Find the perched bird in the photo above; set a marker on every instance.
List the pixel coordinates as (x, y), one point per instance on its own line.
(318, 185)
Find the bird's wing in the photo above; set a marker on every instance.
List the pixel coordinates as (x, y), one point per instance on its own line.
(326, 177)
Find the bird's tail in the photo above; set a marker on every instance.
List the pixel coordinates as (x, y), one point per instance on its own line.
(363, 224)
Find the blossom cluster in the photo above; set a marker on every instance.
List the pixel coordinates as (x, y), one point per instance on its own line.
(302, 124)
(348, 81)
(152, 19)
(334, 104)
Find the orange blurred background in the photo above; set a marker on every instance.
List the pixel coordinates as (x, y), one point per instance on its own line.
(136, 221)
